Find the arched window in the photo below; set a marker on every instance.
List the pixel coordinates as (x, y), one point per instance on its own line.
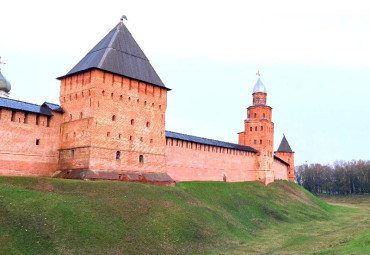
(147, 124)
(114, 118)
(255, 128)
(263, 116)
(255, 115)
(111, 95)
(81, 115)
(141, 159)
(261, 128)
(132, 121)
(261, 141)
(118, 155)
(250, 129)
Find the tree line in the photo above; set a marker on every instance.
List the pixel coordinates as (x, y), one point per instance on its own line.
(341, 178)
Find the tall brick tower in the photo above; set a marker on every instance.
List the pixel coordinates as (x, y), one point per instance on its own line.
(285, 153)
(259, 132)
(115, 105)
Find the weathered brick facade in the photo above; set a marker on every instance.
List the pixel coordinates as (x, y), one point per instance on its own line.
(111, 125)
(28, 143)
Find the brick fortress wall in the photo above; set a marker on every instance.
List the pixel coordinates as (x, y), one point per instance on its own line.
(188, 161)
(28, 143)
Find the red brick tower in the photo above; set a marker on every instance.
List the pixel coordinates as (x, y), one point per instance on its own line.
(259, 132)
(115, 107)
(285, 153)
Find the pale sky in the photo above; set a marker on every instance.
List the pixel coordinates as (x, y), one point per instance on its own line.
(314, 59)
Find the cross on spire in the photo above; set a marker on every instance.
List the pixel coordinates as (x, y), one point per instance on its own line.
(1, 63)
(258, 73)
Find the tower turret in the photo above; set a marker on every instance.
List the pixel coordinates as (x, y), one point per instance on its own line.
(285, 153)
(259, 131)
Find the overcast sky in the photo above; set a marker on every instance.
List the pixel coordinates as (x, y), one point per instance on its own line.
(314, 59)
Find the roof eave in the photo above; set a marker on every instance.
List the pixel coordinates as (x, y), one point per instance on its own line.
(96, 68)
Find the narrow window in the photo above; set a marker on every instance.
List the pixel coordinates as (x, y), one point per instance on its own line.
(70, 118)
(72, 153)
(152, 104)
(151, 140)
(263, 116)
(48, 121)
(132, 121)
(251, 129)
(144, 102)
(111, 95)
(261, 128)
(141, 139)
(26, 117)
(147, 124)
(137, 100)
(119, 136)
(37, 141)
(120, 97)
(141, 159)
(255, 141)
(13, 115)
(255, 128)
(81, 115)
(255, 115)
(261, 141)
(38, 119)
(103, 92)
(114, 118)
(130, 137)
(108, 134)
(118, 155)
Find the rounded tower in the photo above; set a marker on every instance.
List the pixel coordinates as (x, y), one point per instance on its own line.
(259, 132)
(5, 85)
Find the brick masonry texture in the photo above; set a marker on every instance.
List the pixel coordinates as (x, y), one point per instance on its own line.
(114, 123)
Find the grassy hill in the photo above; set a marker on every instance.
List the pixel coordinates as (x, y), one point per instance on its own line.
(57, 216)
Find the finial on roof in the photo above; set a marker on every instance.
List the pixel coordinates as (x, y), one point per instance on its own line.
(259, 87)
(1, 63)
(123, 17)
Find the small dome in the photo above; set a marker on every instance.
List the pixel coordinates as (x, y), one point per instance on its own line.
(259, 87)
(4, 84)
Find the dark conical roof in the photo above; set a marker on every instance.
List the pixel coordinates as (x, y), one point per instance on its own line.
(119, 53)
(284, 146)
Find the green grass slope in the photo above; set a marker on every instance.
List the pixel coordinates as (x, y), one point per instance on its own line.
(56, 216)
